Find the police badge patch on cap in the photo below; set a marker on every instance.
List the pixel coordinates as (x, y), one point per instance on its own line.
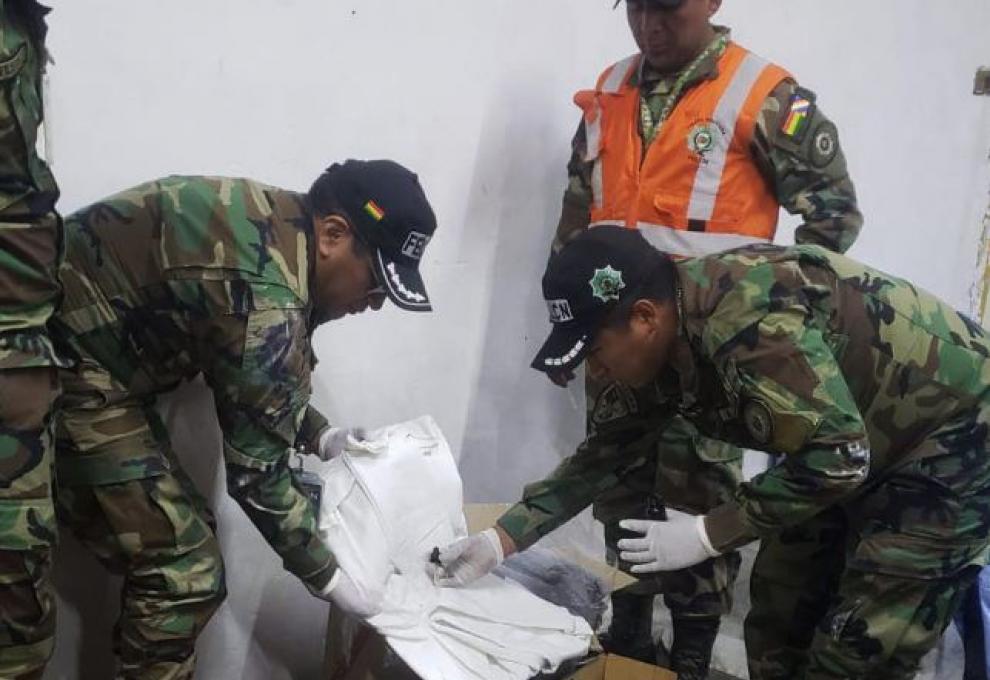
(759, 421)
(606, 283)
(824, 145)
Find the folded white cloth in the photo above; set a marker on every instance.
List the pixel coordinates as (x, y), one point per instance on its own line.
(387, 502)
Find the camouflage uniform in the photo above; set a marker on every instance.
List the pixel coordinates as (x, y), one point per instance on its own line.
(175, 278)
(805, 182)
(877, 397)
(29, 243)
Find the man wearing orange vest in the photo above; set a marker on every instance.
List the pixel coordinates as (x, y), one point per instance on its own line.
(697, 142)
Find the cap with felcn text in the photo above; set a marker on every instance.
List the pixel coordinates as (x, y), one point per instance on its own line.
(390, 213)
(583, 283)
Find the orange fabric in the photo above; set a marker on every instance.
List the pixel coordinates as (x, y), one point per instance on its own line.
(659, 188)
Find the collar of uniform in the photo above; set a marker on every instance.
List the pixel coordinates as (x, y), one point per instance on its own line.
(307, 212)
(652, 82)
(683, 362)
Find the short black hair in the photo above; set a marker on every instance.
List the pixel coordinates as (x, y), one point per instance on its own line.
(324, 202)
(322, 197)
(659, 285)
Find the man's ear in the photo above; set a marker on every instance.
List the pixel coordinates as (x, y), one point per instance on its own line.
(330, 230)
(647, 313)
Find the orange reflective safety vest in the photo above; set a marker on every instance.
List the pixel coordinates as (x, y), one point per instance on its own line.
(697, 191)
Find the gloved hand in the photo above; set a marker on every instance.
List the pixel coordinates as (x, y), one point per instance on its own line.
(465, 561)
(679, 542)
(343, 593)
(334, 440)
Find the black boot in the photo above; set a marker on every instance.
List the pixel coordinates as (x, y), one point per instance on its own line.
(631, 631)
(691, 653)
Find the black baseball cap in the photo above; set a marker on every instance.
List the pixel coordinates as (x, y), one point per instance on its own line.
(662, 4)
(390, 213)
(583, 283)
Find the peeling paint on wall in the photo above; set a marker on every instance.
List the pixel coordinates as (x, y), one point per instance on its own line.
(980, 298)
(982, 288)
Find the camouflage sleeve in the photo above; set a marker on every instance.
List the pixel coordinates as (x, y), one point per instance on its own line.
(569, 489)
(312, 428)
(794, 401)
(627, 432)
(797, 148)
(575, 211)
(260, 378)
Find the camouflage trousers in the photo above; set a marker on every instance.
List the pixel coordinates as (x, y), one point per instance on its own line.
(27, 522)
(693, 474)
(867, 589)
(124, 496)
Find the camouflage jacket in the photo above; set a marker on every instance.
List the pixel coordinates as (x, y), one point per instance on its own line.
(841, 369)
(29, 225)
(195, 275)
(805, 181)
(22, 55)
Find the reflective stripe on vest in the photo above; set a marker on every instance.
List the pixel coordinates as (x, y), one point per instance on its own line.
(620, 74)
(613, 82)
(709, 177)
(684, 243)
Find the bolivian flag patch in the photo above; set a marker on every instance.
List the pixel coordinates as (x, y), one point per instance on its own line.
(374, 210)
(798, 116)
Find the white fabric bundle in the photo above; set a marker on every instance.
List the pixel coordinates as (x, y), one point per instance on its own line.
(387, 503)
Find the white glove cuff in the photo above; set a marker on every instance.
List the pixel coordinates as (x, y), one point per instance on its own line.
(324, 593)
(334, 580)
(492, 537)
(327, 435)
(703, 535)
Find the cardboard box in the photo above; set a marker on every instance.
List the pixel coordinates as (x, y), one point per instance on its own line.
(612, 667)
(368, 650)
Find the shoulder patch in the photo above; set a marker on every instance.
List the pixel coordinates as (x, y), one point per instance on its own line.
(824, 145)
(616, 401)
(759, 421)
(796, 121)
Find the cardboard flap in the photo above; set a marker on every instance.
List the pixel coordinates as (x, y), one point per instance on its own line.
(611, 667)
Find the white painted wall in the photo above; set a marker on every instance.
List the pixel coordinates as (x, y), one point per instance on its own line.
(476, 97)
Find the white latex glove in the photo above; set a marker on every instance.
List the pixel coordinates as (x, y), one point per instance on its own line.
(335, 439)
(677, 543)
(465, 561)
(341, 592)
